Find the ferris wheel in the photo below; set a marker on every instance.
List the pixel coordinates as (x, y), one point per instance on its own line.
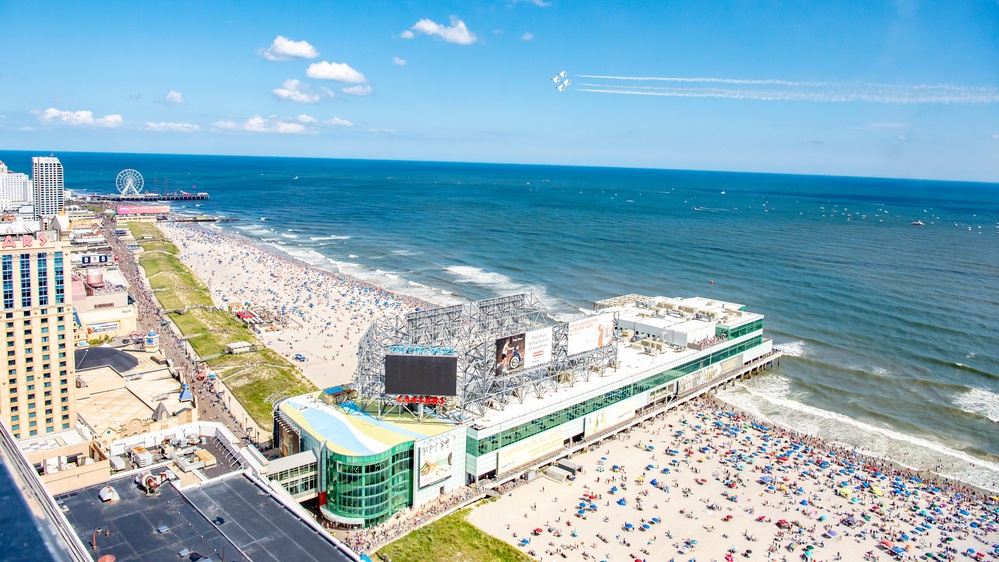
(129, 182)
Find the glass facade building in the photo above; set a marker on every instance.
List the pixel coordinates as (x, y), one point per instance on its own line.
(366, 487)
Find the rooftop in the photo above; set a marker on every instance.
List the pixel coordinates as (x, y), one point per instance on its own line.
(230, 515)
(355, 432)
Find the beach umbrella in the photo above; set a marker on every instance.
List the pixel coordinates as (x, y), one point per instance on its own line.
(645, 526)
(613, 488)
(581, 512)
(593, 506)
(655, 520)
(629, 526)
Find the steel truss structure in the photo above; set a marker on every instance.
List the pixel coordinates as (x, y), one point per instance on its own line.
(471, 330)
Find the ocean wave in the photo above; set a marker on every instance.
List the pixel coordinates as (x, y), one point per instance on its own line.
(979, 401)
(286, 235)
(478, 276)
(331, 237)
(792, 348)
(504, 285)
(771, 398)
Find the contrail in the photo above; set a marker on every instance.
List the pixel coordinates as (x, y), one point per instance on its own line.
(786, 90)
(705, 80)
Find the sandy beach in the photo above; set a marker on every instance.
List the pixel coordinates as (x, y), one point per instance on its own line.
(705, 483)
(332, 310)
(701, 482)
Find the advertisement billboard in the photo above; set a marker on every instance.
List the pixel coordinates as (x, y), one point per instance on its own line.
(421, 374)
(143, 209)
(525, 350)
(436, 459)
(538, 348)
(510, 352)
(102, 327)
(609, 417)
(527, 450)
(590, 333)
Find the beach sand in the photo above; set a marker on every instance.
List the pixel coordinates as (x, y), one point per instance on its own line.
(726, 489)
(718, 454)
(332, 310)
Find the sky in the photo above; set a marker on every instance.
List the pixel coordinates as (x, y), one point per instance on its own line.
(860, 88)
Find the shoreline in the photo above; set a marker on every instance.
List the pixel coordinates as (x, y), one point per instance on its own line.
(319, 357)
(329, 311)
(735, 485)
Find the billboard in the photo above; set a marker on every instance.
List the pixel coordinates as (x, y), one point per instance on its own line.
(538, 347)
(421, 374)
(527, 450)
(143, 209)
(590, 333)
(436, 459)
(102, 327)
(525, 350)
(608, 417)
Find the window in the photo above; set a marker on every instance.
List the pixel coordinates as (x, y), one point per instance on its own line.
(43, 279)
(26, 281)
(7, 268)
(60, 289)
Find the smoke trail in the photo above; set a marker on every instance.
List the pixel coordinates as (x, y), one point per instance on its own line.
(785, 90)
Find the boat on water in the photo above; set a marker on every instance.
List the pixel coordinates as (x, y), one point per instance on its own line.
(918, 223)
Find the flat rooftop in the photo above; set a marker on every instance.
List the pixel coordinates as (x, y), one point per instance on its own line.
(352, 432)
(225, 515)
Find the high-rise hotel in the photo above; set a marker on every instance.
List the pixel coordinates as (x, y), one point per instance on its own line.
(49, 187)
(37, 393)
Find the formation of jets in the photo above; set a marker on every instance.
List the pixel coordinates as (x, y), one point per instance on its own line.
(561, 81)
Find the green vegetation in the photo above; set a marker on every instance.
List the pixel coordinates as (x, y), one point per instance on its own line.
(450, 539)
(252, 377)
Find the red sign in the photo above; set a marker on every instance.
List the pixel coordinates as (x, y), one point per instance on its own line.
(431, 400)
(26, 241)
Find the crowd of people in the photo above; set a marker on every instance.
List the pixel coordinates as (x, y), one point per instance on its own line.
(716, 483)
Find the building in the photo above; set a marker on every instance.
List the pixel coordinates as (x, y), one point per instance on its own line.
(37, 393)
(101, 303)
(486, 392)
(49, 188)
(127, 393)
(30, 514)
(16, 191)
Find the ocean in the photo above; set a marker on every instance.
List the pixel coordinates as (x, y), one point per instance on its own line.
(890, 330)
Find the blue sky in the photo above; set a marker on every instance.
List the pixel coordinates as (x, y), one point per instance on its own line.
(870, 88)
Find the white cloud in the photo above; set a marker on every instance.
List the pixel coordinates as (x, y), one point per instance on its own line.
(79, 118)
(174, 97)
(339, 71)
(527, 36)
(901, 138)
(337, 122)
(294, 90)
(258, 124)
(173, 127)
(457, 32)
(303, 118)
(359, 90)
(539, 3)
(995, 137)
(285, 49)
(398, 62)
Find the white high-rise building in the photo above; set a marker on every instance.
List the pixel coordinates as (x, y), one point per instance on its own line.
(15, 189)
(49, 188)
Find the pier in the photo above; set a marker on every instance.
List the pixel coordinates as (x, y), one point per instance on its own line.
(147, 197)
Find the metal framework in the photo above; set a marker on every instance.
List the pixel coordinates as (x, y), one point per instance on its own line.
(472, 329)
